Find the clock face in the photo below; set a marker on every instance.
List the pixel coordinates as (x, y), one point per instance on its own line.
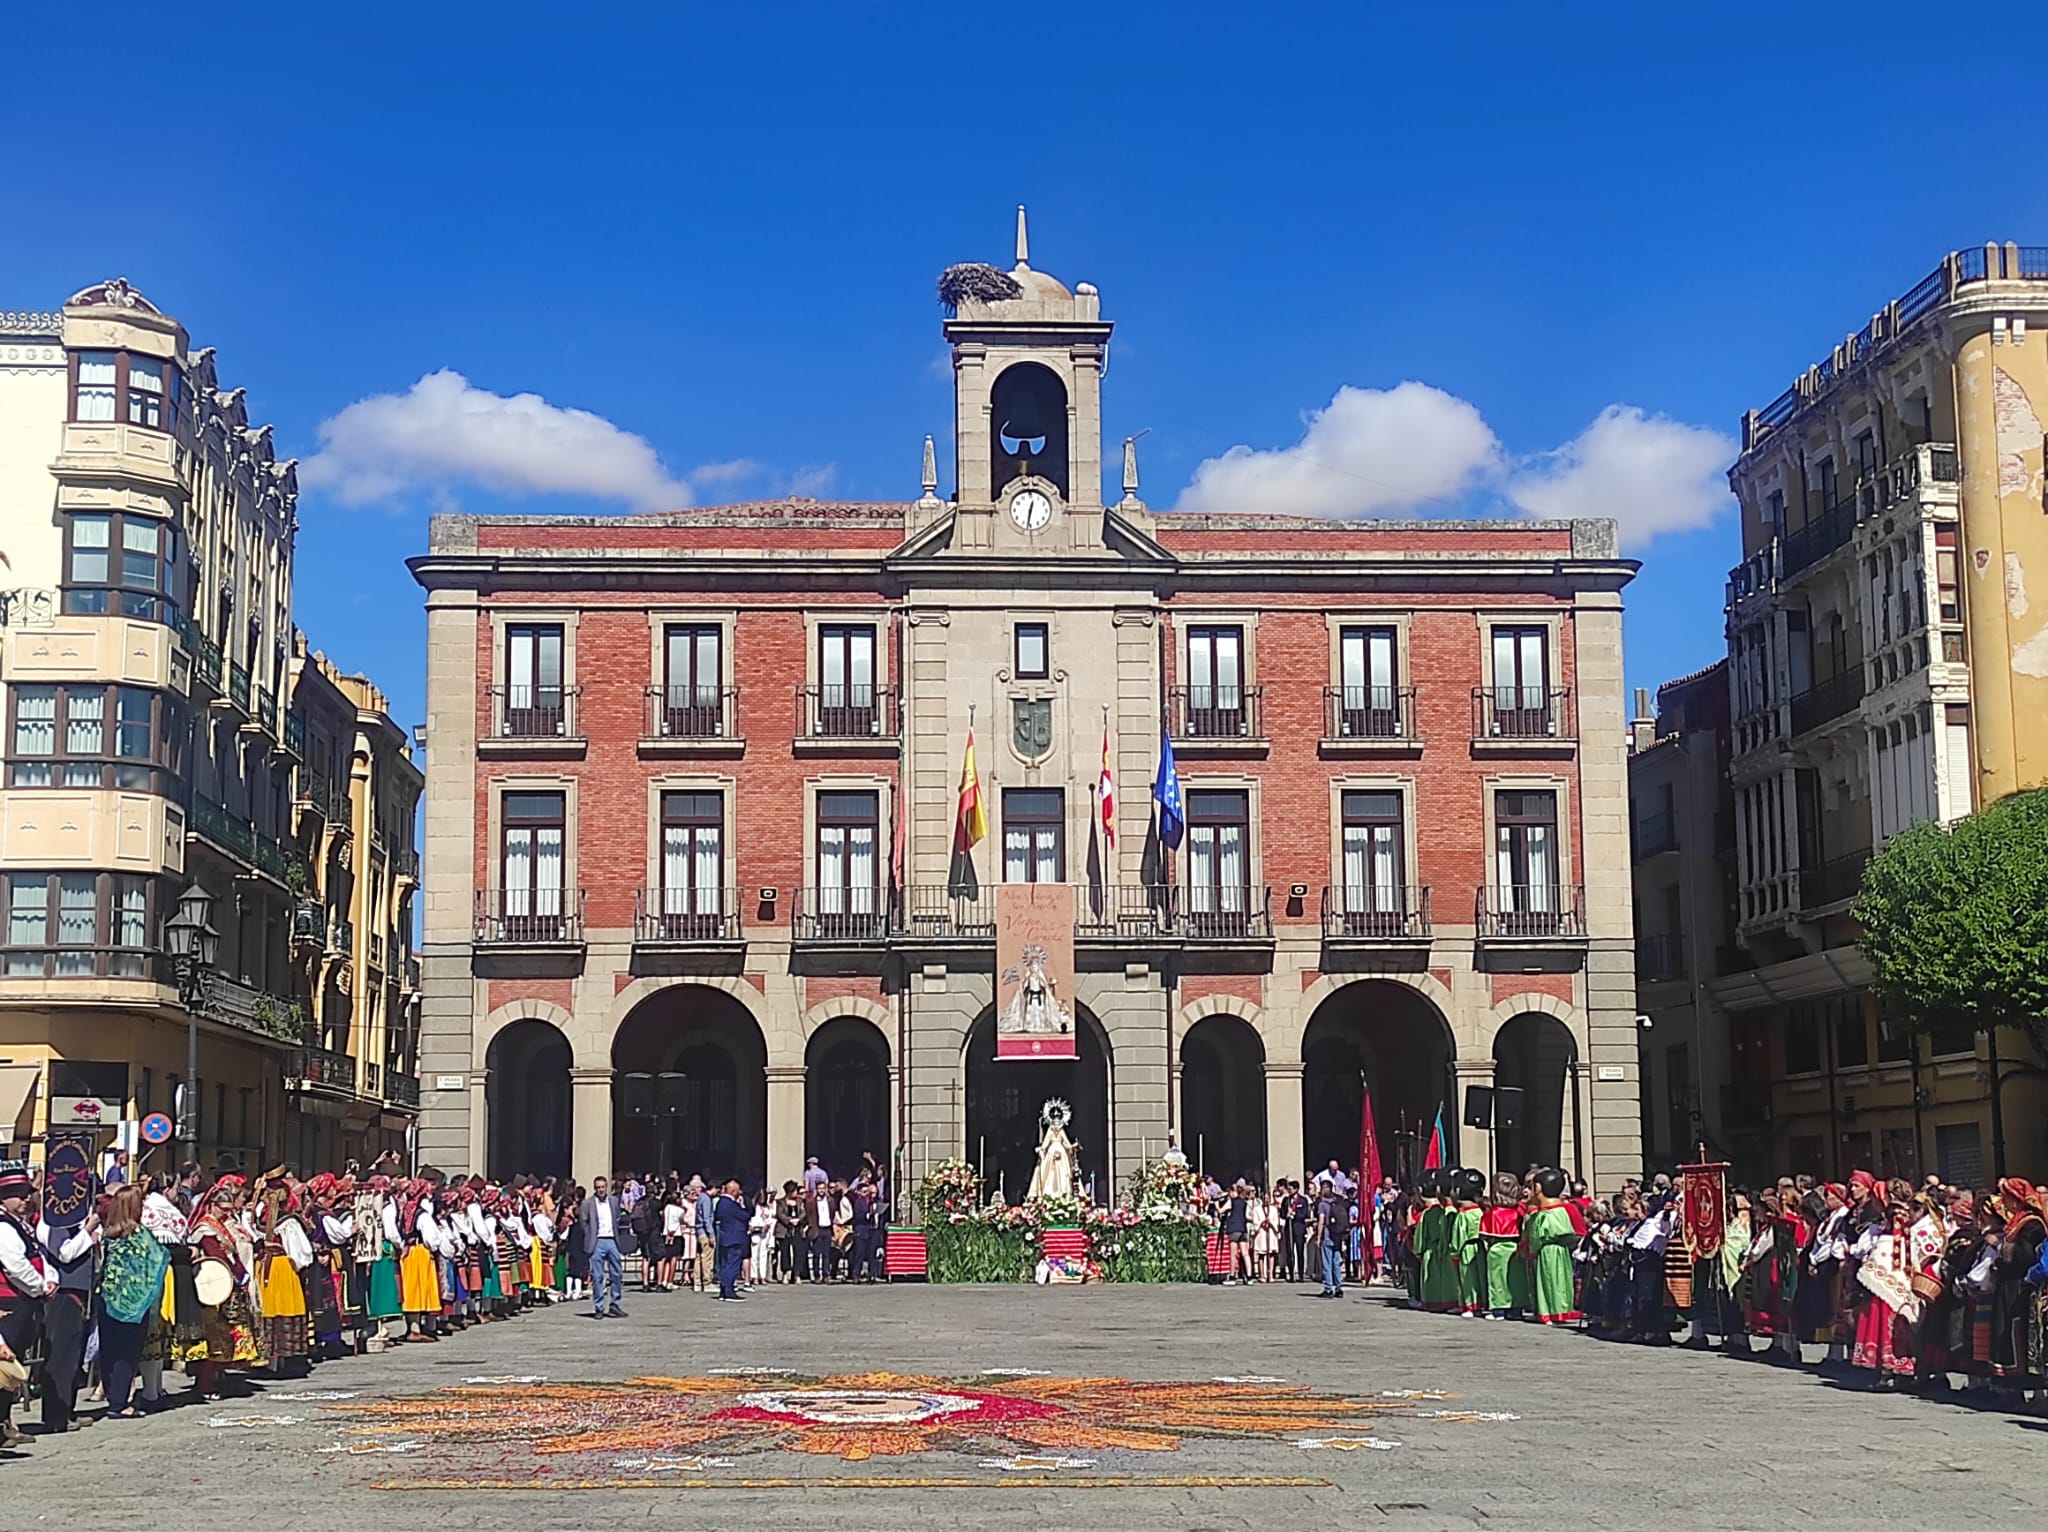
(1031, 509)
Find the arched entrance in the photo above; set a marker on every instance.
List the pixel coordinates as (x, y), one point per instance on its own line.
(846, 1096)
(527, 1101)
(1223, 1099)
(1389, 1034)
(690, 1087)
(1003, 1101)
(1537, 1055)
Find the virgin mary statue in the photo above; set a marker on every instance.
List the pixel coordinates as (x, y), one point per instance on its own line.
(1054, 1176)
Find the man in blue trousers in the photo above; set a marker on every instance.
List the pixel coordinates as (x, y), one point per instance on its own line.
(729, 1220)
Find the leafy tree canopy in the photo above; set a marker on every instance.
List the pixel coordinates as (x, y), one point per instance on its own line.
(1955, 919)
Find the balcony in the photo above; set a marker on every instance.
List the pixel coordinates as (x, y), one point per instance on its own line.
(405, 863)
(1523, 720)
(206, 659)
(312, 791)
(529, 720)
(692, 720)
(320, 1069)
(342, 940)
(1831, 885)
(1370, 720)
(1217, 720)
(1375, 916)
(249, 1009)
(847, 720)
(295, 734)
(1655, 834)
(686, 917)
(239, 691)
(1125, 913)
(309, 927)
(1659, 959)
(1530, 914)
(410, 972)
(841, 917)
(543, 918)
(1230, 914)
(1828, 701)
(939, 914)
(402, 1090)
(1820, 537)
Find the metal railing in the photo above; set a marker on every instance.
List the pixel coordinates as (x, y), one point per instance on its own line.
(1529, 912)
(401, 1090)
(685, 916)
(1231, 913)
(1537, 714)
(535, 917)
(1368, 712)
(320, 1066)
(405, 862)
(1215, 712)
(313, 790)
(938, 913)
(1828, 700)
(1375, 913)
(342, 939)
(1125, 911)
(1659, 958)
(847, 712)
(1655, 834)
(236, 1004)
(1818, 538)
(1832, 882)
(238, 687)
(295, 733)
(534, 712)
(692, 712)
(411, 972)
(841, 915)
(309, 925)
(206, 656)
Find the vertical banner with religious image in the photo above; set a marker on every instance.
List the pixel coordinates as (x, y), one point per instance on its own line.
(68, 1155)
(1034, 971)
(1703, 1207)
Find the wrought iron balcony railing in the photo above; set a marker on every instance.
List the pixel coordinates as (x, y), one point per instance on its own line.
(534, 712)
(529, 917)
(841, 915)
(1376, 913)
(1368, 712)
(1530, 912)
(682, 917)
(1535, 715)
(1215, 713)
(854, 712)
(692, 712)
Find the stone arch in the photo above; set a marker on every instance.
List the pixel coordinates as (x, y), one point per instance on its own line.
(527, 1008)
(1250, 1012)
(779, 1031)
(1548, 1005)
(1002, 1098)
(689, 1063)
(1220, 1062)
(1388, 1034)
(1427, 985)
(1537, 1051)
(848, 1100)
(880, 1015)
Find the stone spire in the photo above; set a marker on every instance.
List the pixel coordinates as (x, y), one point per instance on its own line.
(930, 497)
(1023, 240)
(1130, 501)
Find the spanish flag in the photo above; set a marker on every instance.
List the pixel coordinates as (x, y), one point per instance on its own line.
(971, 826)
(1105, 793)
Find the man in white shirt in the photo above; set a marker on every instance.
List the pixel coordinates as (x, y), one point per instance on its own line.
(24, 1282)
(600, 1219)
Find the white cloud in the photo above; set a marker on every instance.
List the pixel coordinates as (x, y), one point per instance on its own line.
(1370, 452)
(1374, 452)
(1651, 473)
(444, 432)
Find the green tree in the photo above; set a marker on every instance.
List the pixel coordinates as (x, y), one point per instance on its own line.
(1955, 920)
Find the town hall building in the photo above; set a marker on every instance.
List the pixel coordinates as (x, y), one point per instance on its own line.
(698, 895)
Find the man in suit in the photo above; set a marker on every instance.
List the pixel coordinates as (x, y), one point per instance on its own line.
(601, 1221)
(729, 1217)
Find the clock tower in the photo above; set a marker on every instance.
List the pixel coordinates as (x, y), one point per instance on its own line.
(1027, 400)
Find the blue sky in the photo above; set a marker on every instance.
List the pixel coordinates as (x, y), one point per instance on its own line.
(717, 230)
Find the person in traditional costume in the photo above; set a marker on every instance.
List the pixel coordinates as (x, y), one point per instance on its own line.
(1500, 1233)
(540, 1218)
(1468, 1255)
(383, 1300)
(1432, 1240)
(168, 1225)
(1717, 1280)
(1887, 1306)
(1927, 1244)
(285, 1336)
(25, 1281)
(133, 1266)
(2017, 1342)
(513, 1251)
(330, 1241)
(1820, 1278)
(419, 1285)
(1548, 1237)
(1770, 1275)
(1649, 1318)
(224, 1288)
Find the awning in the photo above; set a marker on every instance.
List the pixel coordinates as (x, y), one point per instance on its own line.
(1816, 976)
(17, 1090)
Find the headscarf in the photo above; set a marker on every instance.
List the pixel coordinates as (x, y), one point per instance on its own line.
(1836, 1193)
(1863, 1179)
(217, 1194)
(2022, 1203)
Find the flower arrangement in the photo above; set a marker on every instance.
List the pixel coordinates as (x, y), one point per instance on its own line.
(1158, 1236)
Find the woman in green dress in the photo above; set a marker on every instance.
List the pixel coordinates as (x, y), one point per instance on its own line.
(1549, 1235)
(1468, 1255)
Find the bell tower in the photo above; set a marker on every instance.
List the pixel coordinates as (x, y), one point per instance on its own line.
(1027, 389)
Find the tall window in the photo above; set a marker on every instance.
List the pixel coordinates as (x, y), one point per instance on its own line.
(692, 864)
(1521, 684)
(846, 681)
(90, 736)
(1525, 860)
(1218, 858)
(1374, 883)
(119, 385)
(1215, 683)
(98, 385)
(1368, 703)
(78, 925)
(693, 690)
(120, 563)
(532, 896)
(536, 704)
(849, 867)
(1034, 835)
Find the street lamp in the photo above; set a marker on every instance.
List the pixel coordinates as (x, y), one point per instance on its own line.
(193, 944)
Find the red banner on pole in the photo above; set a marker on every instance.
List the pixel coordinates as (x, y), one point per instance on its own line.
(1034, 971)
(1703, 1206)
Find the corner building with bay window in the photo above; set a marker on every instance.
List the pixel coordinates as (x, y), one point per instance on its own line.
(692, 899)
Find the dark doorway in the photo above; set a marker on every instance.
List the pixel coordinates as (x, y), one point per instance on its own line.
(690, 1088)
(1003, 1101)
(527, 1102)
(1223, 1099)
(846, 1096)
(1535, 1054)
(1393, 1036)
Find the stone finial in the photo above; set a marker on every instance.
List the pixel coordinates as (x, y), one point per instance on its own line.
(930, 497)
(1130, 467)
(1023, 239)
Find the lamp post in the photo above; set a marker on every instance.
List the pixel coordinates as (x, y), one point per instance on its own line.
(193, 944)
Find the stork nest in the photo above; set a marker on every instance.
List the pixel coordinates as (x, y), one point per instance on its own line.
(975, 282)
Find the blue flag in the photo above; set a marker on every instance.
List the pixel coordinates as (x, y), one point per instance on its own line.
(1166, 793)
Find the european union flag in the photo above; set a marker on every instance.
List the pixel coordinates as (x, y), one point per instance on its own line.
(1166, 793)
